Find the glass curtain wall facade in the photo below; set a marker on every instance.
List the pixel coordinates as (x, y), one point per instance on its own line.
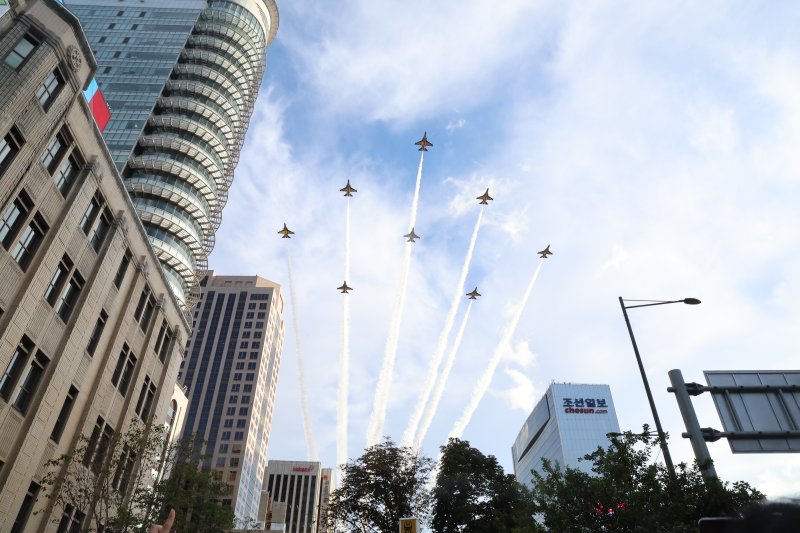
(570, 421)
(182, 82)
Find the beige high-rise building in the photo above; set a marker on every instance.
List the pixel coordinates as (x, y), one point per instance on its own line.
(90, 333)
(231, 371)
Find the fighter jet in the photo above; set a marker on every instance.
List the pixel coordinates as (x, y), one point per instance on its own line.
(484, 198)
(411, 236)
(474, 294)
(348, 190)
(286, 232)
(344, 289)
(544, 253)
(423, 143)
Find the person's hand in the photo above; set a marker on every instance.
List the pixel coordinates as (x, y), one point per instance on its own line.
(166, 527)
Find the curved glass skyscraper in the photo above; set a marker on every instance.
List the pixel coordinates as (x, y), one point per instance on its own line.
(181, 83)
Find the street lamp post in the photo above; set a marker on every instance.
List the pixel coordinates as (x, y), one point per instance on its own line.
(662, 438)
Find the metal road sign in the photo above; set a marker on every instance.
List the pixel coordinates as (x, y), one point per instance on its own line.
(759, 409)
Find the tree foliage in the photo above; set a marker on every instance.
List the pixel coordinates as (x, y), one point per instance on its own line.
(474, 494)
(383, 485)
(629, 492)
(118, 484)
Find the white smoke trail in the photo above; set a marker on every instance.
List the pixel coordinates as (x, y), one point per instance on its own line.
(500, 349)
(442, 381)
(436, 360)
(344, 360)
(378, 416)
(301, 375)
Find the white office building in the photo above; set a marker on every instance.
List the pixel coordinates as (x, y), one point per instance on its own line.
(570, 421)
(297, 492)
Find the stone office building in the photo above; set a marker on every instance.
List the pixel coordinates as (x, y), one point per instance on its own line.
(90, 333)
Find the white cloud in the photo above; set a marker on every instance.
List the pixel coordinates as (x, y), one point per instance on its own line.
(523, 395)
(455, 124)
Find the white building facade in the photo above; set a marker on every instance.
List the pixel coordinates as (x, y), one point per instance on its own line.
(570, 421)
(300, 489)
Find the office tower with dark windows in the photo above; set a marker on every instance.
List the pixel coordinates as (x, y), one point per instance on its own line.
(231, 371)
(299, 492)
(181, 78)
(570, 421)
(91, 335)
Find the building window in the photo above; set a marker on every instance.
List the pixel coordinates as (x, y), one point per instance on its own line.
(58, 280)
(137, 314)
(238, 436)
(237, 376)
(146, 396)
(261, 314)
(235, 387)
(21, 52)
(66, 173)
(9, 147)
(228, 423)
(63, 291)
(121, 378)
(97, 447)
(99, 230)
(14, 369)
(241, 423)
(243, 411)
(25, 509)
(71, 520)
(91, 213)
(231, 411)
(233, 399)
(220, 462)
(29, 241)
(63, 415)
(49, 89)
(262, 306)
(148, 313)
(13, 218)
(250, 377)
(166, 346)
(245, 399)
(123, 268)
(97, 332)
(30, 382)
(52, 154)
(226, 435)
(125, 464)
(223, 448)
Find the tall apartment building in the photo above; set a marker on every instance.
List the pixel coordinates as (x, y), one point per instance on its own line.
(90, 333)
(181, 78)
(231, 371)
(301, 490)
(570, 421)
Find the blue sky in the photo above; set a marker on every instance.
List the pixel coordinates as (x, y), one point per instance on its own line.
(654, 146)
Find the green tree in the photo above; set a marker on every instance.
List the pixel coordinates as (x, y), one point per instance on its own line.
(629, 492)
(474, 494)
(115, 482)
(383, 485)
